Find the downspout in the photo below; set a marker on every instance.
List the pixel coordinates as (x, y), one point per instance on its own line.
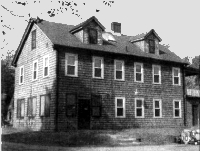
(57, 89)
(184, 97)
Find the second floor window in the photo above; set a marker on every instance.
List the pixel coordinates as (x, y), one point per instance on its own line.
(33, 42)
(139, 108)
(21, 75)
(92, 36)
(35, 70)
(46, 66)
(31, 107)
(156, 74)
(138, 72)
(176, 76)
(45, 105)
(98, 67)
(71, 64)
(20, 108)
(151, 46)
(119, 70)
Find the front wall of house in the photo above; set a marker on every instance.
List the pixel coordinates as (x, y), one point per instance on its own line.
(39, 87)
(84, 85)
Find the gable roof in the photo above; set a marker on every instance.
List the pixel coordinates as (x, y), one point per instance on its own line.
(60, 35)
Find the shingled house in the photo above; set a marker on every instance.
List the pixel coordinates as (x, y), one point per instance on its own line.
(82, 77)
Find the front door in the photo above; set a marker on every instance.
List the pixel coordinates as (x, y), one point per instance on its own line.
(83, 114)
(195, 114)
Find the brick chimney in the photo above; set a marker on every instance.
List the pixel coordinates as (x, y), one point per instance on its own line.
(116, 27)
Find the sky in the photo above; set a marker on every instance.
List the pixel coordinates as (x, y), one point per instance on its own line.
(177, 22)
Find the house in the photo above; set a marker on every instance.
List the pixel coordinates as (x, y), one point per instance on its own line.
(82, 77)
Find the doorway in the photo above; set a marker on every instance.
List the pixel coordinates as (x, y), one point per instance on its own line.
(83, 114)
(195, 115)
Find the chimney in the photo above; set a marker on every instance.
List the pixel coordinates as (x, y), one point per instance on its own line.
(116, 27)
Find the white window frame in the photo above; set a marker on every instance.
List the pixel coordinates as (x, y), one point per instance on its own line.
(36, 61)
(21, 75)
(46, 56)
(124, 107)
(159, 73)
(102, 67)
(123, 71)
(139, 107)
(160, 107)
(180, 115)
(179, 76)
(142, 72)
(75, 65)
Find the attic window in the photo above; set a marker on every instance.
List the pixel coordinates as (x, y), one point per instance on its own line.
(151, 46)
(33, 43)
(92, 36)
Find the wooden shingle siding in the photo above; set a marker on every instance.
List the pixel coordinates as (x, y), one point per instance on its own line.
(38, 87)
(84, 85)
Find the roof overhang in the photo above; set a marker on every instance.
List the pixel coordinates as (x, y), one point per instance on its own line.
(190, 71)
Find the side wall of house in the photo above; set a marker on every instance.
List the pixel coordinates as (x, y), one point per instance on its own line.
(84, 85)
(39, 87)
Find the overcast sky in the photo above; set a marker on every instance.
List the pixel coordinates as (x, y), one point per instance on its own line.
(177, 22)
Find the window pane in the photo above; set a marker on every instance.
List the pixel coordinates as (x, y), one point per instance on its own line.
(157, 104)
(118, 65)
(97, 63)
(119, 111)
(151, 42)
(42, 104)
(177, 114)
(29, 107)
(22, 108)
(34, 75)
(119, 102)
(139, 112)
(156, 70)
(176, 104)
(92, 36)
(71, 110)
(35, 66)
(118, 74)
(71, 60)
(22, 71)
(47, 105)
(21, 79)
(139, 103)
(46, 62)
(34, 106)
(176, 80)
(175, 72)
(71, 99)
(138, 77)
(71, 70)
(138, 68)
(18, 107)
(157, 112)
(45, 71)
(156, 78)
(97, 72)
(96, 111)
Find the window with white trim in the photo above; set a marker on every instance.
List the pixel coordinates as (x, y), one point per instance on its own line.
(138, 72)
(21, 75)
(35, 70)
(157, 108)
(119, 69)
(120, 107)
(46, 66)
(177, 108)
(139, 107)
(156, 74)
(176, 76)
(98, 67)
(71, 64)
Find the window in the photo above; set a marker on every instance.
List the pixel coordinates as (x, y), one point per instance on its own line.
(119, 107)
(177, 108)
(31, 107)
(98, 65)
(96, 105)
(151, 46)
(33, 43)
(21, 75)
(119, 70)
(20, 108)
(35, 70)
(71, 105)
(156, 74)
(157, 108)
(176, 76)
(46, 66)
(138, 70)
(139, 108)
(45, 105)
(92, 36)
(71, 64)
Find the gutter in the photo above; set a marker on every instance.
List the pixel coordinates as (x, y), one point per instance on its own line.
(57, 90)
(184, 97)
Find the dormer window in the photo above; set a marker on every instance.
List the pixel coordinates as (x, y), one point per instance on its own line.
(151, 46)
(92, 33)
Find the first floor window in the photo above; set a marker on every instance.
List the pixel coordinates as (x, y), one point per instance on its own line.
(71, 101)
(20, 108)
(119, 107)
(177, 108)
(139, 108)
(157, 105)
(45, 105)
(31, 107)
(71, 64)
(96, 105)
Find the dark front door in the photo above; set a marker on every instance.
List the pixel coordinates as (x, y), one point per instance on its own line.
(195, 114)
(83, 114)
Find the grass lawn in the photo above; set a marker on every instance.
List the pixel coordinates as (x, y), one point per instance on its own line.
(148, 136)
